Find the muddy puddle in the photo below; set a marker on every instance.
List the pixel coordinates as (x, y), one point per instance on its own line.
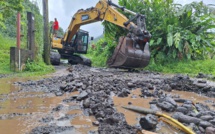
(21, 112)
(134, 99)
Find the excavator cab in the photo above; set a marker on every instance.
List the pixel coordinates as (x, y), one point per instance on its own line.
(81, 42)
(78, 44)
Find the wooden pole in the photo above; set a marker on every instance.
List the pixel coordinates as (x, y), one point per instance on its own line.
(18, 30)
(46, 38)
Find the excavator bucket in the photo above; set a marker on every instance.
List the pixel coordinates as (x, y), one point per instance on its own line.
(128, 55)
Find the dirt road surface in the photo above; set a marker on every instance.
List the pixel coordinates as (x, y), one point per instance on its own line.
(85, 100)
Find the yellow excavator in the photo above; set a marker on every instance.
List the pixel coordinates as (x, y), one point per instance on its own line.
(132, 50)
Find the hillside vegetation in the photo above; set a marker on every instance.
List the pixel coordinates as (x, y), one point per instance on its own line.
(8, 13)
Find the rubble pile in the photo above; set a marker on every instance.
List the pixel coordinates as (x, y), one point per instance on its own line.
(97, 87)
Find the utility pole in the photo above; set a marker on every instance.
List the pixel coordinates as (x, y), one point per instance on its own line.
(46, 38)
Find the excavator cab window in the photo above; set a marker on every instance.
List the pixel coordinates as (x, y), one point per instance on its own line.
(72, 41)
(82, 42)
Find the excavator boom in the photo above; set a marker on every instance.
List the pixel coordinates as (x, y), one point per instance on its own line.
(133, 50)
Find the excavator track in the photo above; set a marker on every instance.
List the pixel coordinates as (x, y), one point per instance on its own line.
(76, 59)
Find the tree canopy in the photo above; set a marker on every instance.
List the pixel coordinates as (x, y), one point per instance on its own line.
(7, 9)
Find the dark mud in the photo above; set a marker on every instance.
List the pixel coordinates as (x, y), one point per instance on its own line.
(97, 86)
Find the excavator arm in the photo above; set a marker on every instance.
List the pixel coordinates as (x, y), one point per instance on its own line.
(104, 10)
(132, 50)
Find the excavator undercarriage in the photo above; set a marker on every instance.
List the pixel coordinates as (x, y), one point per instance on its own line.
(132, 50)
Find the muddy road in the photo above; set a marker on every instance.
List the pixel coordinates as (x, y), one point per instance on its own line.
(83, 100)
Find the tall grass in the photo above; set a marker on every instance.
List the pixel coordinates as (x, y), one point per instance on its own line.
(185, 67)
(33, 68)
(5, 44)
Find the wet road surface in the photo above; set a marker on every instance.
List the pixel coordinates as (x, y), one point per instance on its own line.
(22, 111)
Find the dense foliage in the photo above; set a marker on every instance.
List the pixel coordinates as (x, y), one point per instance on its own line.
(101, 52)
(7, 8)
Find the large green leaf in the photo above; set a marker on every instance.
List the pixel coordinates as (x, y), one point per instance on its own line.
(170, 39)
(177, 39)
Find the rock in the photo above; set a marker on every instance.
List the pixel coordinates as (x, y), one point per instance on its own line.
(212, 89)
(150, 86)
(82, 96)
(148, 122)
(54, 58)
(171, 100)
(202, 81)
(202, 107)
(134, 96)
(180, 100)
(79, 84)
(188, 102)
(206, 88)
(201, 129)
(206, 117)
(47, 119)
(212, 122)
(166, 106)
(200, 85)
(188, 106)
(100, 114)
(124, 93)
(154, 107)
(63, 86)
(86, 103)
(176, 115)
(115, 119)
(95, 123)
(167, 88)
(130, 85)
(205, 124)
(59, 93)
(58, 108)
(194, 114)
(210, 130)
(201, 75)
(182, 110)
(193, 126)
(72, 98)
(153, 102)
(51, 129)
(188, 119)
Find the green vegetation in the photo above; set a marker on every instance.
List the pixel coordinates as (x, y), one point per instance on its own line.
(8, 11)
(7, 8)
(182, 40)
(185, 67)
(5, 44)
(102, 51)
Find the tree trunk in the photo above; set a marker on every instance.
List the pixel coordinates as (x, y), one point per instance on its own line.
(46, 39)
